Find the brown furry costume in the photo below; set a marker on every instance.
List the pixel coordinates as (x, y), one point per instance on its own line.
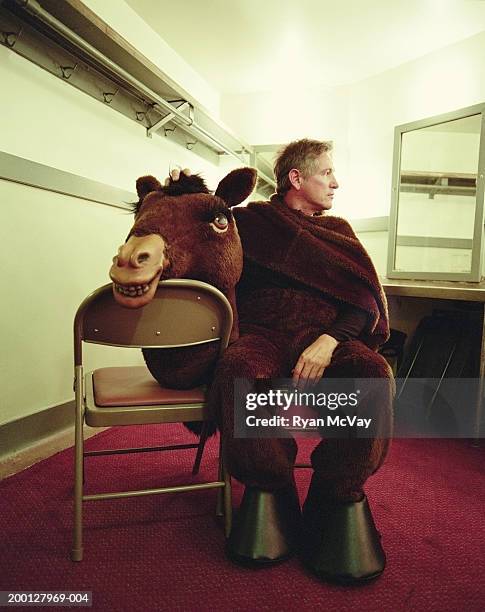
(298, 272)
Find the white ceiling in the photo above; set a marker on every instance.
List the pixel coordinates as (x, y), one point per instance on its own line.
(242, 46)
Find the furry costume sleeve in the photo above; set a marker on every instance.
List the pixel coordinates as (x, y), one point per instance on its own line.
(321, 253)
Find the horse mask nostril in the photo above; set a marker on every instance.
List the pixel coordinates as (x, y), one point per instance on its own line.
(142, 257)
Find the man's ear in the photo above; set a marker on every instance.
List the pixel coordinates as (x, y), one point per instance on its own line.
(294, 177)
(145, 184)
(237, 186)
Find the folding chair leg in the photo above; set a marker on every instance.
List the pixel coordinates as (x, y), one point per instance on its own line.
(227, 504)
(77, 545)
(220, 476)
(200, 448)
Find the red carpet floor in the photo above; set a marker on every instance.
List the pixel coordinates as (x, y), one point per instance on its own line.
(166, 552)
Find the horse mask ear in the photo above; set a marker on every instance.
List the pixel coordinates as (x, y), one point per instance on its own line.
(237, 186)
(145, 184)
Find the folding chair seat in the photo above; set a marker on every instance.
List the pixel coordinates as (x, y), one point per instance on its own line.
(182, 313)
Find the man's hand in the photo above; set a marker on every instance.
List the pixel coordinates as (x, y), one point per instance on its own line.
(175, 175)
(313, 361)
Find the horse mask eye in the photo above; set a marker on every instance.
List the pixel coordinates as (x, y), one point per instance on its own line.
(220, 222)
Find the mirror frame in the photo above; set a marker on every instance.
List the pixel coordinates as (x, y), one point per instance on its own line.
(475, 273)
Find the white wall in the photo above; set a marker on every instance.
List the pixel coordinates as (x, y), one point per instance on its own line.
(56, 249)
(440, 82)
(375, 244)
(270, 117)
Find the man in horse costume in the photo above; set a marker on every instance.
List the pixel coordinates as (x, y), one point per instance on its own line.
(310, 304)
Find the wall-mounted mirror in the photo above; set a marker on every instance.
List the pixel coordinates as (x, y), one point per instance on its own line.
(437, 209)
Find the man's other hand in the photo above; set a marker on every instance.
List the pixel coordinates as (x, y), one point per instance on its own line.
(175, 175)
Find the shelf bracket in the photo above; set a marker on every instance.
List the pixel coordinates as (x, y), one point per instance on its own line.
(156, 126)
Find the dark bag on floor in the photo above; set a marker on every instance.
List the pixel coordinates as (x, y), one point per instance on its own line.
(445, 347)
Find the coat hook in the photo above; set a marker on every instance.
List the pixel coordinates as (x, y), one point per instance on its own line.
(191, 145)
(67, 71)
(141, 115)
(10, 38)
(167, 130)
(108, 96)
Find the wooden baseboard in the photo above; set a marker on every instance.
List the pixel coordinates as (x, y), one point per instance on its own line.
(30, 439)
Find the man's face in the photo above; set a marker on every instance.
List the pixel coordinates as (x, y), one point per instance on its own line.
(318, 189)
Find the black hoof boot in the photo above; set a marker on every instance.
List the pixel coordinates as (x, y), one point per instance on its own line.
(266, 527)
(340, 542)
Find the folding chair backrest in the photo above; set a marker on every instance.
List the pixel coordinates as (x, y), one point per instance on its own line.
(183, 312)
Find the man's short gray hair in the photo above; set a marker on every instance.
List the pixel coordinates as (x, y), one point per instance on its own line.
(300, 154)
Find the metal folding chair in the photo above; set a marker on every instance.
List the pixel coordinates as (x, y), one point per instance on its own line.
(182, 313)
